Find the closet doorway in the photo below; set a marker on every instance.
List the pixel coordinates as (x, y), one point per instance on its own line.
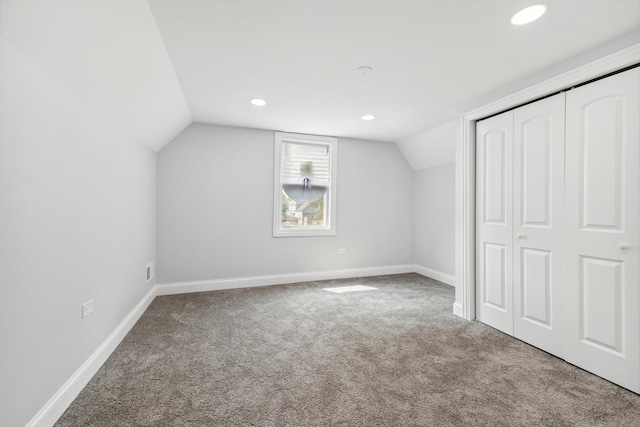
(557, 244)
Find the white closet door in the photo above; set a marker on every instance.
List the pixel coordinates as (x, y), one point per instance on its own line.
(602, 160)
(538, 210)
(494, 240)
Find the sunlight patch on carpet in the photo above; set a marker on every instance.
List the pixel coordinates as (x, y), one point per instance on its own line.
(353, 288)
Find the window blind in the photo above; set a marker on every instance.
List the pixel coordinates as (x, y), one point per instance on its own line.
(302, 161)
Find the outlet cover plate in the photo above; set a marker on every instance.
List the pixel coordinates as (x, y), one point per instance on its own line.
(149, 272)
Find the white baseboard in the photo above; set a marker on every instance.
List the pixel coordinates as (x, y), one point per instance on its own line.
(457, 309)
(55, 407)
(434, 274)
(277, 279)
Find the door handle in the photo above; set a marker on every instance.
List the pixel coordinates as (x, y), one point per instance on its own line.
(623, 246)
(521, 236)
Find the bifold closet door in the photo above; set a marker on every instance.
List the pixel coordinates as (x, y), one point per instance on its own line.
(494, 237)
(538, 210)
(601, 258)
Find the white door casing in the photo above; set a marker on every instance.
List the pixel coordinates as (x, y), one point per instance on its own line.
(494, 241)
(602, 159)
(538, 209)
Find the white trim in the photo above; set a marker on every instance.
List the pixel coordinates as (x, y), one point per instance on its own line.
(457, 309)
(277, 279)
(55, 407)
(465, 221)
(465, 162)
(435, 274)
(615, 61)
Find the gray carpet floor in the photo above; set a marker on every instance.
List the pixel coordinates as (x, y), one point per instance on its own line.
(296, 355)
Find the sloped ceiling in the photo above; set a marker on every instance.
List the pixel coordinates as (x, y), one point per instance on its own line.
(155, 66)
(433, 147)
(107, 52)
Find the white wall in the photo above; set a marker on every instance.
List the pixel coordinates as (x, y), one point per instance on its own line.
(215, 208)
(77, 222)
(434, 220)
(432, 155)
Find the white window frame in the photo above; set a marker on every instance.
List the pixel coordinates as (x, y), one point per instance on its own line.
(329, 229)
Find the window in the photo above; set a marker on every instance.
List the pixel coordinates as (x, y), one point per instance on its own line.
(305, 182)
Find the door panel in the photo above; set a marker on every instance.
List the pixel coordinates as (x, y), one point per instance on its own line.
(601, 164)
(535, 165)
(600, 303)
(494, 275)
(494, 239)
(538, 203)
(603, 133)
(535, 278)
(495, 163)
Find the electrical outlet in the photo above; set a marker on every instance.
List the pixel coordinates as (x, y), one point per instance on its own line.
(149, 272)
(342, 251)
(87, 308)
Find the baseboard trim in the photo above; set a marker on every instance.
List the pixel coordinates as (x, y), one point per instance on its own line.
(277, 279)
(435, 274)
(55, 407)
(457, 309)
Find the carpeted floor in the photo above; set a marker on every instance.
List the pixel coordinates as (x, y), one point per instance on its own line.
(296, 355)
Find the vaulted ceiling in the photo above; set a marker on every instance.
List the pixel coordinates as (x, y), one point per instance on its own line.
(154, 66)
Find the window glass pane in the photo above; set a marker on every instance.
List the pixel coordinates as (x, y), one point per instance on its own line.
(303, 214)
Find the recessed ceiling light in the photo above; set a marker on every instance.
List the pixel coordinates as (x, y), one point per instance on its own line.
(258, 102)
(368, 117)
(528, 14)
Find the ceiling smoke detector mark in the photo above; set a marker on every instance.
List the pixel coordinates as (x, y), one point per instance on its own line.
(353, 288)
(528, 14)
(364, 70)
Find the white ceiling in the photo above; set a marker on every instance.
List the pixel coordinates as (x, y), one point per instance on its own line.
(156, 65)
